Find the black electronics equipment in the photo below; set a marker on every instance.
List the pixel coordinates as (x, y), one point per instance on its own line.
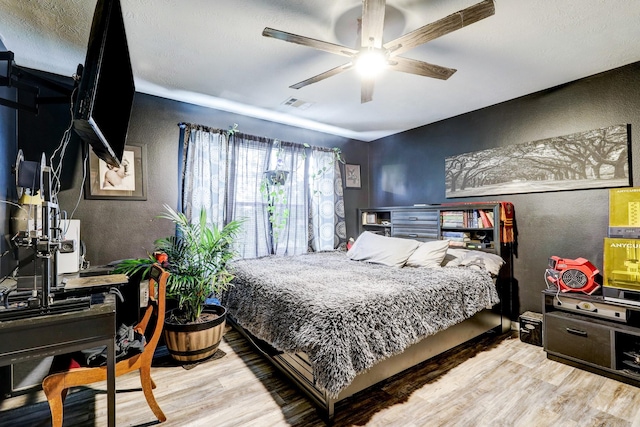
(37, 234)
(624, 232)
(105, 93)
(593, 308)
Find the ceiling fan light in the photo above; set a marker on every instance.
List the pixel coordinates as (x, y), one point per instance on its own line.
(370, 63)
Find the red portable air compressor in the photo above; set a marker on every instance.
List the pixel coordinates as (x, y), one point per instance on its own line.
(573, 275)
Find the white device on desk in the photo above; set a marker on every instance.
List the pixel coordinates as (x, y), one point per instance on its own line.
(68, 256)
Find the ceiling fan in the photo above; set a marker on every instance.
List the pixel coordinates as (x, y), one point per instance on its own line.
(371, 29)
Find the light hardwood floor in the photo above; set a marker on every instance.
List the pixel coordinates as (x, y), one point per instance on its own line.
(494, 381)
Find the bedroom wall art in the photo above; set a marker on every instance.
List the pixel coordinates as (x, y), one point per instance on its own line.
(128, 182)
(597, 158)
(352, 176)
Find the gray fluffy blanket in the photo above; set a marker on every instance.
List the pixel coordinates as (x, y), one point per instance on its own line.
(347, 315)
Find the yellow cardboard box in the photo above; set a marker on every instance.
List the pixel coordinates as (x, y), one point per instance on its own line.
(624, 207)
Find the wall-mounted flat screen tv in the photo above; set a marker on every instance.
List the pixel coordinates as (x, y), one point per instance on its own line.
(105, 93)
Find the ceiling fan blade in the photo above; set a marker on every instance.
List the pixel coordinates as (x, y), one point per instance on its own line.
(307, 41)
(322, 76)
(372, 23)
(421, 68)
(366, 91)
(441, 27)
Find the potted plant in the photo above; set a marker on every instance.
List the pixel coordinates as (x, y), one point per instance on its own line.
(272, 187)
(197, 258)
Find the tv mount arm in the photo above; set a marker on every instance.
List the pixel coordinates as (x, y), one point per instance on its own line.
(25, 80)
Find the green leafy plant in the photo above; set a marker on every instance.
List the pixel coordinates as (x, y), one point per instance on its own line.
(197, 258)
(232, 129)
(272, 187)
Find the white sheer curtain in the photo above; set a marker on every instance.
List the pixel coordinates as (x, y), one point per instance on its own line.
(293, 238)
(249, 157)
(205, 173)
(224, 175)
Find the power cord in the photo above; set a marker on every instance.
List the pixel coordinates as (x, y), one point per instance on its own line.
(547, 273)
(116, 292)
(84, 178)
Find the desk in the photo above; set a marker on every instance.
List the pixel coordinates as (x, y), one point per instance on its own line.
(98, 281)
(52, 334)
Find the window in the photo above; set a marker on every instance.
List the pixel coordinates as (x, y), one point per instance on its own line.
(225, 175)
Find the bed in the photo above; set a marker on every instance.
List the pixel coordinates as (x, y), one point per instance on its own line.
(338, 322)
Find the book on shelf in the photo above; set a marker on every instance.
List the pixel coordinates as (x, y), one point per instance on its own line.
(453, 219)
(491, 218)
(471, 218)
(456, 238)
(475, 219)
(456, 234)
(486, 222)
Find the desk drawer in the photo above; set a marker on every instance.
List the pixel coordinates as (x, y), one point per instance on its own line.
(572, 337)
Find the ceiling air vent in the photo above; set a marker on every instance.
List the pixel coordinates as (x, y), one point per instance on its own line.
(297, 103)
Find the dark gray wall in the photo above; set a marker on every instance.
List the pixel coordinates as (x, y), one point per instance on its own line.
(121, 229)
(8, 151)
(408, 168)
(405, 169)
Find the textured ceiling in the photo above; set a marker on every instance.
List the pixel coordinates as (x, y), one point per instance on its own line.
(212, 53)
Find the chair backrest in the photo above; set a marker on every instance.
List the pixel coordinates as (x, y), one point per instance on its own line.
(156, 306)
(56, 384)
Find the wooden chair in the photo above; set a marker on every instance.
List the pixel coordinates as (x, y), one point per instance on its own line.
(56, 385)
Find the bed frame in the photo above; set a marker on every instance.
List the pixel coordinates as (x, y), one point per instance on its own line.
(296, 366)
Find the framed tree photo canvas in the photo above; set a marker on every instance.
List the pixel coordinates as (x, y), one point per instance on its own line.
(596, 158)
(128, 182)
(352, 176)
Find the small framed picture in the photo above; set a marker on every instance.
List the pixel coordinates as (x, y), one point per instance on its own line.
(372, 218)
(128, 182)
(352, 176)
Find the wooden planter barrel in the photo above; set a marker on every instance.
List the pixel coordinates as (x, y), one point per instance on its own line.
(197, 341)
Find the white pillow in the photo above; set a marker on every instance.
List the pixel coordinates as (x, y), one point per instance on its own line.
(391, 251)
(453, 257)
(488, 261)
(429, 254)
